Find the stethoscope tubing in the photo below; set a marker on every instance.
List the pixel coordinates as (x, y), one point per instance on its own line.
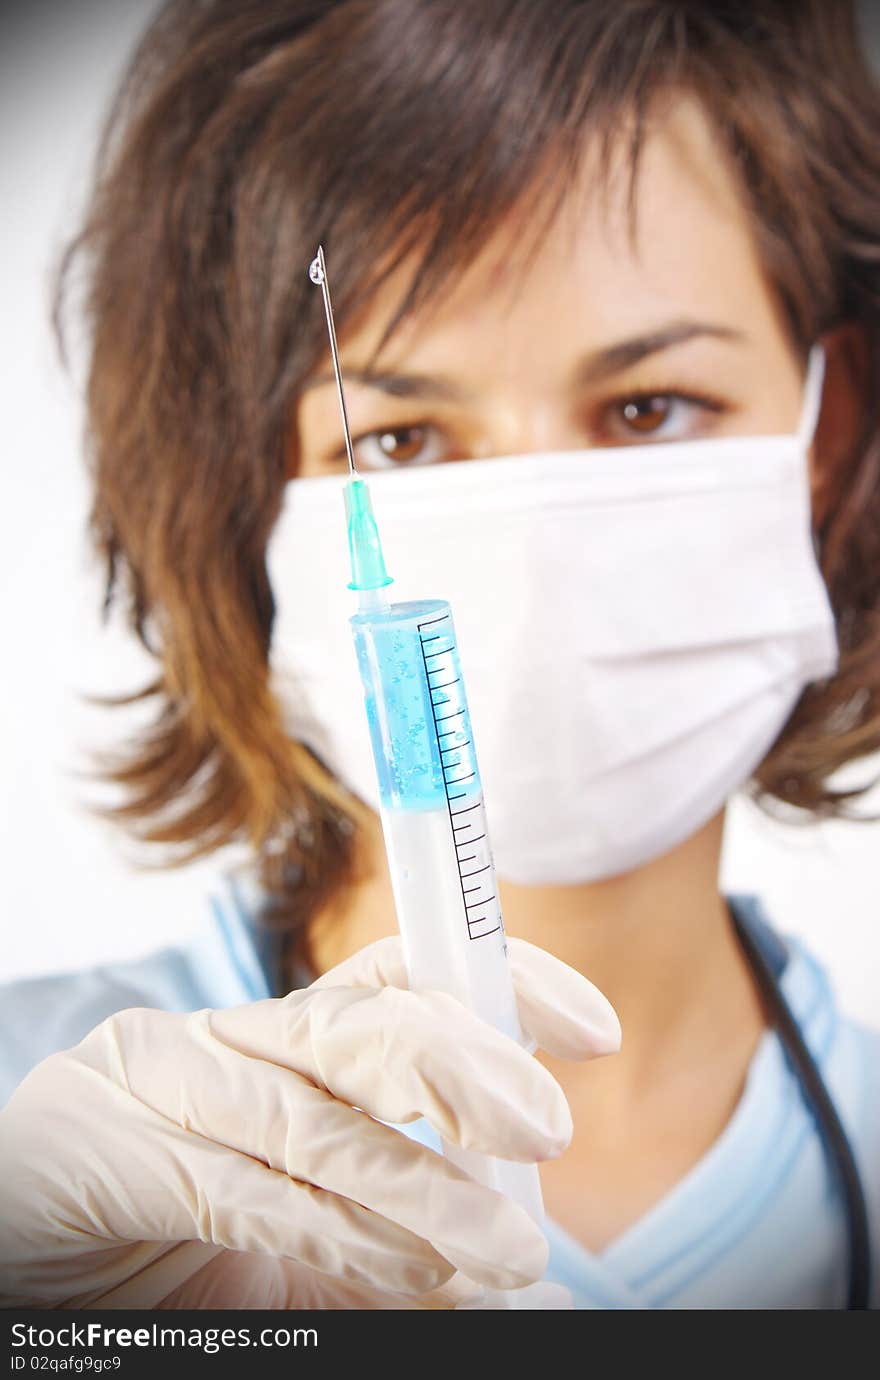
(835, 1142)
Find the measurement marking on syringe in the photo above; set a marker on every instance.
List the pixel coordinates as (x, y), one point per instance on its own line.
(429, 622)
(489, 912)
(464, 843)
(457, 712)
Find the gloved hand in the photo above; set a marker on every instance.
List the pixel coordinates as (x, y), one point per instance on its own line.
(231, 1158)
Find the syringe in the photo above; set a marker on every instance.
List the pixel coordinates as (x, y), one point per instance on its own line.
(432, 812)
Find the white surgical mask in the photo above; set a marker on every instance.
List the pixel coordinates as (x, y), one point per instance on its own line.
(635, 626)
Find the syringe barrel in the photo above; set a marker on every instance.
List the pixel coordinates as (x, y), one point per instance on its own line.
(436, 836)
(475, 971)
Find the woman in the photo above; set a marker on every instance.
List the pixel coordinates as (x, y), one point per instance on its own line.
(606, 283)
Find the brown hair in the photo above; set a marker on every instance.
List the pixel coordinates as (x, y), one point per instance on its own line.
(245, 131)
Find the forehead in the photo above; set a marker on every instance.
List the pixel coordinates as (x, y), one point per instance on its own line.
(605, 266)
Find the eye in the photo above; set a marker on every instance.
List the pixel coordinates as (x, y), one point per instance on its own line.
(656, 416)
(403, 445)
(646, 414)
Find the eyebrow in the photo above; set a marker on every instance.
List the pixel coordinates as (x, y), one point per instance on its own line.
(595, 367)
(603, 364)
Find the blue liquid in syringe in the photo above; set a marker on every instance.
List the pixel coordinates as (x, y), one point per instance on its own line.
(416, 706)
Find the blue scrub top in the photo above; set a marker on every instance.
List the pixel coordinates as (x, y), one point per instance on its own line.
(756, 1223)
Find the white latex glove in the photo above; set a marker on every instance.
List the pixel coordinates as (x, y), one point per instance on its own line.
(230, 1158)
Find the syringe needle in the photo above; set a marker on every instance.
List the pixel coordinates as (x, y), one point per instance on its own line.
(318, 275)
(368, 574)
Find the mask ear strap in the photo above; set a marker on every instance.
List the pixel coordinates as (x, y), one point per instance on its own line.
(812, 403)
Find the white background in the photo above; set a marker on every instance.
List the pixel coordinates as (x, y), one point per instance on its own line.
(69, 894)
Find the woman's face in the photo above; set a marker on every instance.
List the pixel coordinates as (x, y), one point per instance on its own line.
(601, 341)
